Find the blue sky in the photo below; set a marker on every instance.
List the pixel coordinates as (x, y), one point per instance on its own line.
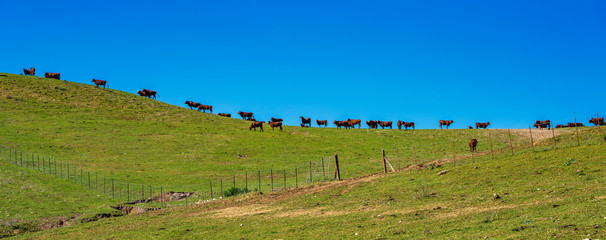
(507, 62)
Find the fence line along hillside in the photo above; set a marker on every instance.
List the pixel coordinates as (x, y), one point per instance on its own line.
(455, 151)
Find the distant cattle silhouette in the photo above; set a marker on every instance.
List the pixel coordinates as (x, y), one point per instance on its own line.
(472, 144)
(277, 119)
(372, 124)
(251, 119)
(148, 93)
(275, 124)
(340, 124)
(304, 125)
(571, 124)
(305, 121)
(561, 126)
(385, 124)
(256, 125)
(245, 115)
(597, 121)
(470, 127)
(354, 122)
(205, 107)
(405, 124)
(192, 105)
(53, 75)
(322, 122)
(30, 72)
(99, 82)
(482, 125)
(446, 123)
(542, 124)
(224, 114)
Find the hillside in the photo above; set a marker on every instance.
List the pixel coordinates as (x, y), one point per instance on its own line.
(548, 194)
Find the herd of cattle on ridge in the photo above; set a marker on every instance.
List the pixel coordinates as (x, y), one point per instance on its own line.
(306, 122)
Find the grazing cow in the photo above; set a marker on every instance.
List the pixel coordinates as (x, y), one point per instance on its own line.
(256, 125)
(192, 105)
(561, 126)
(372, 124)
(322, 122)
(353, 122)
(306, 121)
(482, 125)
(597, 121)
(400, 123)
(542, 124)
(304, 125)
(30, 72)
(470, 127)
(405, 124)
(472, 144)
(53, 75)
(245, 115)
(205, 107)
(446, 122)
(277, 119)
(99, 82)
(148, 93)
(340, 124)
(224, 114)
(275, 124)
(385, 124)
(571, 124)
(251, 119)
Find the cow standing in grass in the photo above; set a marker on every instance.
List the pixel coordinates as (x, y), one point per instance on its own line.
(275, 125)
(30, 72)
(597, 121)
(245, 115)
(482, 125)
(192, 105)
(256, 125)
(322, 122)
(53, 75)
(372, 124)
(205, 107)
(542, 124)
(385, 124)
(148, 93)
(224, 114)
(472, 144)
(353, 122)
(99, 82)
(305, 121)
(446, 123)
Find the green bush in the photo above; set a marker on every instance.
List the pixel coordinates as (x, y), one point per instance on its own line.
(233, 191)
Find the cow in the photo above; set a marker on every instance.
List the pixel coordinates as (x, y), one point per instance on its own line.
(256, 125)
(53, 75)
(561, 126)
(571, 124)
(340, 124)
(99, 82)
(405, 124)
(472, 144)
(148, 93)
(385, 124)
(542, 124)
(30, 72)
(482, 125)
(597, 121)
(245, 115)
(353, 122)
(372, 124)
(192, 105)
(277, 119)
(322, 122)
(251, 119)
(303, 125)
(470, 127)
(305, 120)
(400, 123)
(224, 114)
(275, 124)
(205, 107)
(446, 122)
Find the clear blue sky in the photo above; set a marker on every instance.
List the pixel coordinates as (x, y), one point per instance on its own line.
(508, 62)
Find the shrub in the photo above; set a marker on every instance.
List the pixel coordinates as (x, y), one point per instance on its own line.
(568, 162)
(233, 191)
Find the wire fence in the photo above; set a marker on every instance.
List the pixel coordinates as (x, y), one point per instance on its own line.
(491, 144)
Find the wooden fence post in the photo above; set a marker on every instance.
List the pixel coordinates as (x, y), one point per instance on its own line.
(397, 159)
(510, 142)
(600, 129)
(433, 151)
(323, 172)
(259, 175)
(531, 140)
(454, 157)
(221, 187)
(337, 169)
(272, 178)
(491, 149)
(246, 182)
(576, 129)
(384, 163)
(555, 145)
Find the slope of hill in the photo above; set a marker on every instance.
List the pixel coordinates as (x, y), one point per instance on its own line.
(534, 195)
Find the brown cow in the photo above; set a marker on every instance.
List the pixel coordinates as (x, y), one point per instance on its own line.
(385, 124)
(245, 115)
(305, 121)
(472, 144)
(571, 124)
(256, 125)
(353, 122)
(597, 121)
(275, 124)
(405, 124)
(99, 82)
(30, 72)
(372, 124)
(251, 119)
(470, 127)
(304, 125)
(446, 122)
(561, 126)
(482, 125)
(205, 107)
(148, 93)
(53, 75)
(277, 119)
(322, 122)
(192, 105)
(542, 124)
(224, 114)
(340, 124)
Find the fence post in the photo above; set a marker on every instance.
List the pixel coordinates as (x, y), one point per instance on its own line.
(142, 192)
(491, 150)
(599, 128)
(311, 174)
(259, 172)
(211, 189)
(510, 142)
(81, 181)
(68, 172)
(531, 140)
(151, 193)
(271, 172)
(576, 129)
(55, 166)
(398, 159)
(296, 180)
(555, 145)
(234, 181)
(246, 182)
(384, 163)
(323, 172)
(433, 151)
(221, 187)
(454, 157)
(337, 169)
